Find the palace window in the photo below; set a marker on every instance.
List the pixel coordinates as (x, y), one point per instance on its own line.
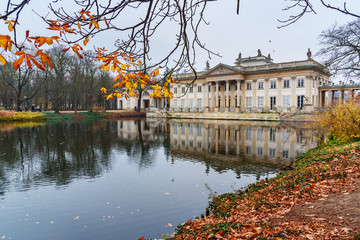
(300, 101)
(248, 149)
(191, 106)
(260, 102)
(286, 83)
(199, 88)
(273, 84)
(248, 133)
(272, 103)
(261, 85)
(182, 89)
(260, 151)
(175, 103)
(182, 103)
(300, 83)
(191, 89)
(175, 128)
(209, 88)
(183, 129)
(236, 101)
(199, 100)
(175, 90)
(248, 86)
(272, 134)
(191, 129)
(286, 102)
(272, 152)
(248, 103)
(285, 154)
(260, 134)
(199, 130)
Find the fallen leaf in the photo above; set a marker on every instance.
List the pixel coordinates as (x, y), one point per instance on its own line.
(170, 225)
(76, 218)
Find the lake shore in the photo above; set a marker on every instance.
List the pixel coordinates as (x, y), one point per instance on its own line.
(316, 200)
(13, 116)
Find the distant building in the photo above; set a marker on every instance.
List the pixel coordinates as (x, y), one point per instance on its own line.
(255, 84)
(146, 103)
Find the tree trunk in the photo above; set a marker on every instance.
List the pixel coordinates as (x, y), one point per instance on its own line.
(139, 101)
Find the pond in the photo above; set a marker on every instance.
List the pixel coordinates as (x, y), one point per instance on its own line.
(131, 178)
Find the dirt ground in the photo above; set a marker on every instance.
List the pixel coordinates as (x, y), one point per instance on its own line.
(338, 211)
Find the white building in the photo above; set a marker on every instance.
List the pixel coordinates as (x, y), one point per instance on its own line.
(254, 84)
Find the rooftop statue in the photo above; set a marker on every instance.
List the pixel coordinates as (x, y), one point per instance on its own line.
(259, 53)
(207, 65)
(308, 54)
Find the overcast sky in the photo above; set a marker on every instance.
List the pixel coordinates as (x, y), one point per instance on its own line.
(256, 27)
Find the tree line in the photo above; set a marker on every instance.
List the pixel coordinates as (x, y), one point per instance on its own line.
(72, 84)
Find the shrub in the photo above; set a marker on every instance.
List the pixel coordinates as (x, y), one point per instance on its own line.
(343, 121)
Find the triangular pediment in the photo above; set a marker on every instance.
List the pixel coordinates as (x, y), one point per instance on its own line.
(221, 69)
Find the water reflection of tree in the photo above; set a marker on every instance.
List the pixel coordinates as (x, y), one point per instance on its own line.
(146, 138)
(55, 153)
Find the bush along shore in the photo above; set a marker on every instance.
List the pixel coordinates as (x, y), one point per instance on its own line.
(12, 116)
(318, 199)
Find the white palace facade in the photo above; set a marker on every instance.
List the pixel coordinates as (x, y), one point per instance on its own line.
(254, 84)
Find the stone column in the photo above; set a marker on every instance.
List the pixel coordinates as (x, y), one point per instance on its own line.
(238, 95)
(226, 130)
(195, 98)
(217, 97)
(243, 106)
(254, 107)
(308, 87)
(293, 104)
(267, 98)
(187, 101)
(206, 98)
(279, 103)
(227, 106)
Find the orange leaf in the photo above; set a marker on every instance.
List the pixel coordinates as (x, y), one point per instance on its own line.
(19, 53)
(3, 60)
(11, 27)
(107, 24)
(18, 62)
(37, 64)
(5, 42)
(28, 62)
(86, 40)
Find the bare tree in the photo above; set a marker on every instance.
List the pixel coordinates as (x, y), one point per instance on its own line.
(18, 80)
(341, 48)
(303, 7)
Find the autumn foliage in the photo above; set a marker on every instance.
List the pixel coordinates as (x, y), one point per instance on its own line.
(343, 121)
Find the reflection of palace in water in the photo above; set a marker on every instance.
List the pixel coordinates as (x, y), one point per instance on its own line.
(147, 130)
(252, 140)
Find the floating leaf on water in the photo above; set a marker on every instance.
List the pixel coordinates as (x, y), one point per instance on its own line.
(166, 193)
(3, 237)
(37, 222)
(52, 222)
(170, 225)
(76, 218)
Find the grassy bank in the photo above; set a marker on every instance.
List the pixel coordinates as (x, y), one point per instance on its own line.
(10, 116)
(260, 211)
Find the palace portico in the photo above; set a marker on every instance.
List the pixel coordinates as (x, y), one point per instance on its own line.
(254, 84)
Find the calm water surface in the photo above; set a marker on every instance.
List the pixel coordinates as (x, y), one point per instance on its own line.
(127, 179)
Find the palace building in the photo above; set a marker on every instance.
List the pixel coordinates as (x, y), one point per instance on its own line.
(253, 84)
